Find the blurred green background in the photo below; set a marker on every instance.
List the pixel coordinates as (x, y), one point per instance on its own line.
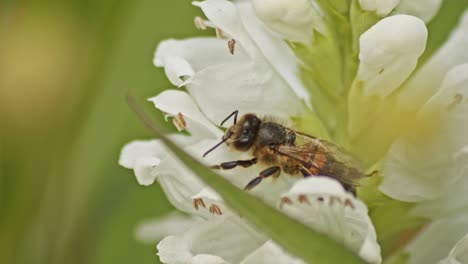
(65, 69)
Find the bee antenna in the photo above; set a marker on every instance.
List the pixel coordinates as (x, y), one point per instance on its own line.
(215, 146)
(229, 116)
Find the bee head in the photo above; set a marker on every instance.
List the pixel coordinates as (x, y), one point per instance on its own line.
(241, 135)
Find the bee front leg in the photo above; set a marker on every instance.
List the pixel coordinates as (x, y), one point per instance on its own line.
(263, 174)
(305, 172)
(232, 164)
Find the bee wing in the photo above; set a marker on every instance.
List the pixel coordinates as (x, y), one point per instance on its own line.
(313, 151)
(339, 153)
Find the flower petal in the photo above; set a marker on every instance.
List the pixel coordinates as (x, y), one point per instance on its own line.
(389, 51)
(435, 242)
(224, 15)
(274, 49)
(247, 87)
(459, 253)
(424, 9)
(381, 7)
(270, 253)
(182, 58)
(425, 164)
(449, 203)
(173, 102)
(294, 20)
(153, 230)
(143, 157)
(228, 238)
(178, 182)
(323, 204)
(428, 79)
(174, 250)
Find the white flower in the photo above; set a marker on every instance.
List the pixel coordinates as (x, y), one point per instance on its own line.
(223, 236)
(350, 73)
(388, 54)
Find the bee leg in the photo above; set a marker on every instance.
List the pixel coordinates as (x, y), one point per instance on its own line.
(305, 172)
(232, 164)
(263, 174)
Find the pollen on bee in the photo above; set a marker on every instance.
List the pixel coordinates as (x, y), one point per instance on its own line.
(231, 45)
(179, 121)
(199, 23)
(457, 99)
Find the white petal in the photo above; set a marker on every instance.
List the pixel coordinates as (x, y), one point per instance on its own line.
(228, 238)
(143, 157)
(207, 259)
(247, 87)
(145, 170)
(182, 58)
(275, 50)
(435, 242)
(294, 20)
(459, 253)
(322, 203)
(424, 9)
(136, 149)
(153, 230)
(174, 250)
(173, 102)
(423, 165)
(151, 160)
(389, 51)
(270, 253)
(247, 84)
(449, 203)
(428, 79)
(381, 7)
(224, 15)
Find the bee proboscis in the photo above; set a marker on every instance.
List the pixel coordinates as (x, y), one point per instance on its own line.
(282, 149)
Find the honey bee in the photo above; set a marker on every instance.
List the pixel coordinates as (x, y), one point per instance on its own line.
(282, 149)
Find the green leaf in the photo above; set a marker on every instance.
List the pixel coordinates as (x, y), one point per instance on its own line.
(293, 236)
(441, 26)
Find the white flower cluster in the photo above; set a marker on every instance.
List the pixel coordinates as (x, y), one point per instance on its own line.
(409, 121)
